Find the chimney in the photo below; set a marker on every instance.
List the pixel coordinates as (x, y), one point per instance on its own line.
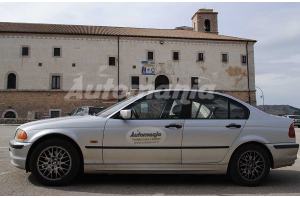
(205, 20)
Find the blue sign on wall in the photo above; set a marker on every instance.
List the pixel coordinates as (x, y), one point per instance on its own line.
(148, 68)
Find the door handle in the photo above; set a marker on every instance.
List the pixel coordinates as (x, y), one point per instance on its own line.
(177, 126)
(233, 125)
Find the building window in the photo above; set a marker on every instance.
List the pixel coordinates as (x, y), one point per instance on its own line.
(112, 61)
(194, 83)
(244, 59)
(56, 51)
(135, 82)
(54, 113)
(175, 56)
(150, 55)
(200, 57)
(207, 25)
(55, 82)
(10, 114)
(225, 58)
(25, 51)
(11, 81)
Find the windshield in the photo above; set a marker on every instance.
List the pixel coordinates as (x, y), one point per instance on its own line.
(119, 105)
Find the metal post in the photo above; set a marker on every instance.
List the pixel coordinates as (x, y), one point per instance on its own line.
(248, 75)
(262, 96)
(118, 68)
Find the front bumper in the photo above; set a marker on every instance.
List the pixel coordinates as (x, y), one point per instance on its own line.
(18, 152)
(284, 154)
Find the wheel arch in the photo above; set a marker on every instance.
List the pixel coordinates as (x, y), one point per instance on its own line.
(252, 143)
(49, 136)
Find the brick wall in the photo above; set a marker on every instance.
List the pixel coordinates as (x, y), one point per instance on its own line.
(42, 101)
(244, 96)
(24, 102)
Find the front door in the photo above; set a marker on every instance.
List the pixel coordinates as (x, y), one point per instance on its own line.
(152, 136)
(213, 124)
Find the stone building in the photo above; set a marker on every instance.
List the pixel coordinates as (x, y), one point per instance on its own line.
(46, 70)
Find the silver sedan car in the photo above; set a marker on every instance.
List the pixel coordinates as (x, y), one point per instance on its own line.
(161, 131)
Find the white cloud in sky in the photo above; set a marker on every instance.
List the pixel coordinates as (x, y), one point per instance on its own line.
(279, 88)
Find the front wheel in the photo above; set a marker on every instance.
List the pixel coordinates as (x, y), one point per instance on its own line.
(55, 162)
(249, 165)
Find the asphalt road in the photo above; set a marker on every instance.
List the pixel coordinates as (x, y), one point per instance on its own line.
(13, 181)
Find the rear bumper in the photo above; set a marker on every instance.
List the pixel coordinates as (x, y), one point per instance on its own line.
(284, 154)
(18, 152)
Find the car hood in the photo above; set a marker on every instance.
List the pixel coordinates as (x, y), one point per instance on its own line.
(65, 122)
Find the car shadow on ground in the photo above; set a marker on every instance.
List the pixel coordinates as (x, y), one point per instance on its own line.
(279, 181)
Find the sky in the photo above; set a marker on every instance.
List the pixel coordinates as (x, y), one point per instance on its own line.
(276, 27)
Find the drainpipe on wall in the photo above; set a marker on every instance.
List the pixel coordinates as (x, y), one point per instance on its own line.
(118, 68)
(249, 92)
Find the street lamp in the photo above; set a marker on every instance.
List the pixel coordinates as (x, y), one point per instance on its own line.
(262, 96)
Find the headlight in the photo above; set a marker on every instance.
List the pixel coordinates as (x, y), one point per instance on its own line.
(21, 135)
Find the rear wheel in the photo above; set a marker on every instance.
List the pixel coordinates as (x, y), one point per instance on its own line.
(249, 165)
(55, 162)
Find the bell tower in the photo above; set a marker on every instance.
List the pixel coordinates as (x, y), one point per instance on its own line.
(205, 20)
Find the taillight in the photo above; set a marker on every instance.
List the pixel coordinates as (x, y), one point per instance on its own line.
(292, 131)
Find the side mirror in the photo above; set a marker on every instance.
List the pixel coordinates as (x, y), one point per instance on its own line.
(125, 114)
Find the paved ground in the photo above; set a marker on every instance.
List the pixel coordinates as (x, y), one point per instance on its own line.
(285, 181)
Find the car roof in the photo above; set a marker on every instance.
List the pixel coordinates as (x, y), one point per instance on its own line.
(202, 91)
(195, 90)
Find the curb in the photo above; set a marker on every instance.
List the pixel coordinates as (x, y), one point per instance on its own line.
(10, 124)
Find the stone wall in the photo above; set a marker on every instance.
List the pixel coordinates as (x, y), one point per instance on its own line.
(36, 104)
(27, 104)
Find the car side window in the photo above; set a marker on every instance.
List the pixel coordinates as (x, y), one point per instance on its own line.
(148, 109)
(214, 106)
(173, 110)
(211, 107)
(238, 111)
(200, 111)
(164, 105)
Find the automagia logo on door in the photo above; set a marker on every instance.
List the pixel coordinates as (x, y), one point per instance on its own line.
(146, 135)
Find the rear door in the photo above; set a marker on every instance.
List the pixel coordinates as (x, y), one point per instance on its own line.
(212, 125)
(152, 136)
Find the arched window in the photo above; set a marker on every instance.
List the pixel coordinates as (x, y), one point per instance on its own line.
(207, 25)
(11, 81)
(10, 114)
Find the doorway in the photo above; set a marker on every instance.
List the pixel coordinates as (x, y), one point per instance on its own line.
(162, 82)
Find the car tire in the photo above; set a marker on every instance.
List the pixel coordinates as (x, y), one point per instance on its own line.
(55, 162)
(249, 165)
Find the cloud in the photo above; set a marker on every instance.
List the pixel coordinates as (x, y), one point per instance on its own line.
(279, 88)
(292, 59)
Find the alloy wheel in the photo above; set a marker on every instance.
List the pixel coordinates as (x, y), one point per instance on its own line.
(54, 162)
(251, 165)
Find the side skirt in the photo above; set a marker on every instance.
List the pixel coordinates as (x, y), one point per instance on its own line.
(156, 168)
